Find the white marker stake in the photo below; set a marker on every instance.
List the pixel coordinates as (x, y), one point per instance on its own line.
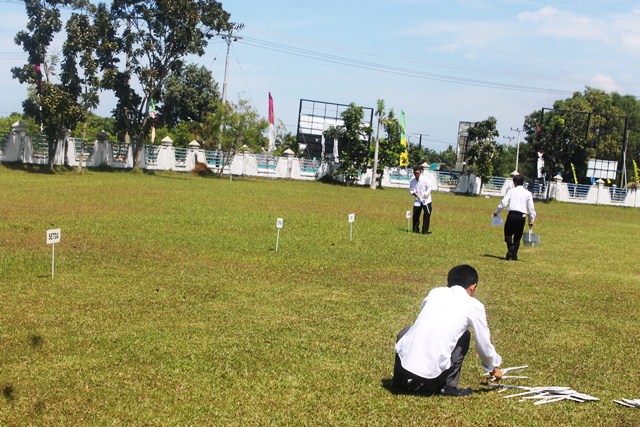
(352, 218)
(279, 223)
(53, 237)
(408, 216)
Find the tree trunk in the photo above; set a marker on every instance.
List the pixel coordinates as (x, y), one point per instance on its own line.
(52, 148)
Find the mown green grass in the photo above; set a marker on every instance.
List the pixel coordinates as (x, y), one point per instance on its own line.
(170, 305)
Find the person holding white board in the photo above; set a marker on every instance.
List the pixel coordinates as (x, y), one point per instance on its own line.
(519, 200)
(421, 191)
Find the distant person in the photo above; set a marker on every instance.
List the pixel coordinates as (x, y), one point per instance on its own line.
(429, 354)
(519, 200)
(421, 191)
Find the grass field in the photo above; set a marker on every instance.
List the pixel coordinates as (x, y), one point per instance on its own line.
(170, 305)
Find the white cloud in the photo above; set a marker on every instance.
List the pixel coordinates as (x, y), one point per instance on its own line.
(554, 22)
(604, 82)
(631, 43)
(456, 36)
(628, 31)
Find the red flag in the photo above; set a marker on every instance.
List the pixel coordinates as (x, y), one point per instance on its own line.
(272, 116)
(272, 128)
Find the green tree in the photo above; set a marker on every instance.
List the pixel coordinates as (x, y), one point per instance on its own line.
(233, 127)
(188, 96)
(630, 107)
(483, 147)
(390, 148)
(504, 161)
(79, 64)
(354, 136)
(419, 155)
(588, 125)
(55, 106)
(93, 125)
(447, 158)
(181, 134)
(285, 140)
(7, 122)
(155, 37)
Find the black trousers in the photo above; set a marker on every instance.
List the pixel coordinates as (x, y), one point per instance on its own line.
(426, 218)
(513, 229)
(449, 377)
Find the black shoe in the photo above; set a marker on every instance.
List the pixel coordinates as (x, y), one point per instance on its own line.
(426, 232)
(515, 258)
(455, 391)
(511, 252)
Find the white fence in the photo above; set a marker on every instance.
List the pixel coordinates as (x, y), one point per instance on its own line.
(17, 146)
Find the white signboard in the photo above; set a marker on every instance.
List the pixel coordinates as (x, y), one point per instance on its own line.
(279, 224)
(53, 236)
(408, 215)
(605, 169)
(352, 217)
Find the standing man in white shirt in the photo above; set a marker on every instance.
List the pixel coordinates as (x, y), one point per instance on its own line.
(421, 191)
(519, 200)
(429, 354)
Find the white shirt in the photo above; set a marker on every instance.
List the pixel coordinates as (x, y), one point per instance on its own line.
(446, 314)
(422, 188)
(518, 199)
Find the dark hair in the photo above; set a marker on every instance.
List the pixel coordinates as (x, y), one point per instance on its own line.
(462, 275)
(417, 168)
(518, 180)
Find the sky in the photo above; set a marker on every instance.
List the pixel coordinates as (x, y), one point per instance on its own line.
(439, 61)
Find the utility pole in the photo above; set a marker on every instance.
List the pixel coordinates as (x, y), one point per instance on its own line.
(517, 130)
(420, 140)
(229, 37)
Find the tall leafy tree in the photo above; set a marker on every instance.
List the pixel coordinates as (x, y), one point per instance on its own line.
(590, 124)
(188, 96)
(285, 140)
(154, 38)
(56, 106)
(447, 158)
(354, 138)
(233, 127)
(390, 148)
(483, 147)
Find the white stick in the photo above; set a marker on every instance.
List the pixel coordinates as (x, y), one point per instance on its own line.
(53, 259)
(277, 239)
(542, 402)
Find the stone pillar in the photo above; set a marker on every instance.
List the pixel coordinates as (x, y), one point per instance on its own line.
(14, 148)
(194, 155)
(555, 186)
(601, 192)
(166, 155)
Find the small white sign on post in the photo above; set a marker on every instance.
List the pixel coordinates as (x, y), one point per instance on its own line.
(279, 224)
(53, 237)
(408, 216)
(352, 218)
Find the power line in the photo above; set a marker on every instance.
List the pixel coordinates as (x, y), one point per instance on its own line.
(335, 59)
(431, 63)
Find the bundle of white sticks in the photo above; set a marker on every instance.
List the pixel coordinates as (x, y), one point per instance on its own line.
(540, 395)
(629, 403)
(546, 394)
